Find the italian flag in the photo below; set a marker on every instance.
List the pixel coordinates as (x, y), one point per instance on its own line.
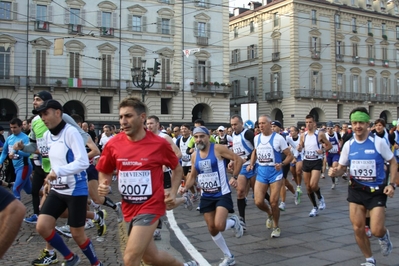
(42, 25)
(74, 82)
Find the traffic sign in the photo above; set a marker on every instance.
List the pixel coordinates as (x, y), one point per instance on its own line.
(249, 124)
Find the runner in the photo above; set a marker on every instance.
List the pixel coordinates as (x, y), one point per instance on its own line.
(334, 153)
(296, 164)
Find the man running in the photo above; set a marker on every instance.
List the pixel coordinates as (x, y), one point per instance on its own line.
(296, 163)
(368, 186)
(334, 153)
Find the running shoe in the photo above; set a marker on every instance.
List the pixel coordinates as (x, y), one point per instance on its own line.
(89, 224)
(269, 222)
(313, 212)
(100, 223)
(195, 197)
(333, 186)
(322, 176)
(322, 204)
(73, 262)
(119, 211)
(238, 230)
(191, 263)
(157, 235)
(282, 206)
(369, 263)
(276, 232)
(45, 258)
(243, 224)
(188, 204)
(368, 231)
(386, 244)
(32, 219)
(336, 180)
(345, 176)
(228, 261)
(298, 195)
(64, 230)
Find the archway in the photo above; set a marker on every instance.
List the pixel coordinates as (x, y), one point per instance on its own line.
(201, 111)
(387, 116)
(8, 110)
(318, 115)
(277, 114)
(74, 107)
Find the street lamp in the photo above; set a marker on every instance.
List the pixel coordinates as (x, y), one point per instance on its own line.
(139, 75)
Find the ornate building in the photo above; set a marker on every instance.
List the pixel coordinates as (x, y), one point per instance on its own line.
(295, 57)
(83, 52)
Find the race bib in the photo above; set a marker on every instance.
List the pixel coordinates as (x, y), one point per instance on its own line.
(16, 156)
(265, 155)
(185, 158)
(363, 170)
(334, 149)
(239, 152)
(311, 155)
(135, 186)
(60, 183)
(210, 182)
(42, 147)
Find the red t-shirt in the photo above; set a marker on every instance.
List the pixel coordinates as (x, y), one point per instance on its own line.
(140, 174)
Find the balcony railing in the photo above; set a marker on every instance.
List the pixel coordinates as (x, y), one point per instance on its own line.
(42, 25)
(210, 89)
(274, 95)
(275, 56)
(107, 32)
(158, 87)
(203, 41)
(74, 29)
(346, 96)
(356, 59)
(315, 54)
(339, 58)
(371, 62)
(385, 63)
(88, 83)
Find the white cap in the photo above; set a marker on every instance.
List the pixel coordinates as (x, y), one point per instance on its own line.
(221, 128)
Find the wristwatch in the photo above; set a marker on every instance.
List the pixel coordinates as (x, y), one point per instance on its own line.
(393, 185)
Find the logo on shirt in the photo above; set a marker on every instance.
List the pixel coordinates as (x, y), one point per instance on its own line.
(369, 151)
(132, 163)
(353, 153)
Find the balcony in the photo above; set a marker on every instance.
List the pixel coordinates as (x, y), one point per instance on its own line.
(10, 81)
(107, 32)
(42, 26)
(202, 41)
(210, 89)
(74, 29)
(274, 95)
(335, 95)
(339, 58)
(315, 55)
(158, 87)
(383, 98)
(275, 56)
(385, 63)
(356, 59)
(371, 62)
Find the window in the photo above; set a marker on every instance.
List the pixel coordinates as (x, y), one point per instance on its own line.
(385, 85)
(396, 8)
(355, 83)
(202, 77)
(315, 41)
(201, 29)
(340, 111)
(252, 51)
(74, 66)
(235, 32)
(5, 10)
(276, 45)
(397, 32)
(384, 29)
(339, 48)
(165, 26)
(354, 27)
(41, 66)
(369, 27)
(235, 56)
(136, 23)
(340, 78)
(5, 62)
(315, 80)
(384, 53)
(314, 17)
(352, 2)
(368, 3)
(252, 91)
(251, 27)
(201, 3)
(276, 20)
(74, 16)
(105, 105)
(106, 19)
(371, 85)
(370, 51)
(276, 82)
(106, 70)
(165, 103)
(41, 12)
(354, 50)
(382, 5)
(165, 70)
(236, 88)
(337, 20)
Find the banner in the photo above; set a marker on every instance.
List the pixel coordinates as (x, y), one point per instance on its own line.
(74, 83)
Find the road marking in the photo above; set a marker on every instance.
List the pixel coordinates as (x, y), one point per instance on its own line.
(185, 242)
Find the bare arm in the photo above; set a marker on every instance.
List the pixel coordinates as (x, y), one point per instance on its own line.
(94, 150)
(337, 171)
(325, 142)
(103, 183)
(301, 143)
(226, 153)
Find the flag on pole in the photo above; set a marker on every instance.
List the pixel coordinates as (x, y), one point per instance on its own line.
(74, 83)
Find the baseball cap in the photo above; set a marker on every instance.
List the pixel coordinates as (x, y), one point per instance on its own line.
(44, 95)
(221, 128)
(330, 124)
(201, 129)
(276, 123)
(46, 105)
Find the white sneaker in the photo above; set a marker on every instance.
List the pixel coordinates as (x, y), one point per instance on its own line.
(238, 230)
(322, 204)
(336, 180)
(119, 211)
(386, 244)
(276, 232)
(282, 206)
(89, 224)
(313, 212)
(332, 186)
(269, 222)
(228, 261)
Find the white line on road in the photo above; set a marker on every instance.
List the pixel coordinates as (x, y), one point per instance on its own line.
(186, 243)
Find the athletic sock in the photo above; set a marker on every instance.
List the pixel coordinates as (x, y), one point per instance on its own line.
(241, 208)
(56, 241)
(50, 251)
(221, 243)
(108, 202)
(312, 199)
(229, 224)
(88, 249)
(318, 193)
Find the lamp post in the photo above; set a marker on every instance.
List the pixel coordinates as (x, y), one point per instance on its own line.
(139, 78)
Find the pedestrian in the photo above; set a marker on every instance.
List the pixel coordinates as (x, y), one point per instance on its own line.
(207, 163)
(368, 187)
(140, 178)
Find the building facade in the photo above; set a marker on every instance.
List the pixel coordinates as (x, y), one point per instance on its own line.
(84, 53)
(296, 57)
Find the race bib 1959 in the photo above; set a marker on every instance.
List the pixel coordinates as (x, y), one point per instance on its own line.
(135, 186)
(363, 170)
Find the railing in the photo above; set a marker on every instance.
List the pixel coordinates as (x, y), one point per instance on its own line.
(210, 89)
(315, 54)
(203, 41)
(274, 95)
(83, 83)
(42, 25)
(371, 62)
(275, 56)
(107, 32)
(339, 58)
(356, 59)
(74, 29)
(10, 81)
(346, 96)
(385, 63)
(157, 87)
